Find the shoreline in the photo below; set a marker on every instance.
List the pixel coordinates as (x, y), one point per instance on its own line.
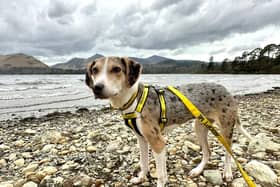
(94, 147)
(104, 107)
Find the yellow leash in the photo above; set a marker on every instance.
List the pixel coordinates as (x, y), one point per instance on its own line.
(204, 121)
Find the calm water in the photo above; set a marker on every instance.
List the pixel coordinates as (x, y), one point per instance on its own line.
(28, 95)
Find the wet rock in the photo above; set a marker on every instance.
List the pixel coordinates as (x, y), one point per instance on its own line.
(264, 174)
(213, 176)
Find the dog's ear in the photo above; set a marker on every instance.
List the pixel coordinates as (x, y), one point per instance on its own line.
(133, 70)
(89, 81)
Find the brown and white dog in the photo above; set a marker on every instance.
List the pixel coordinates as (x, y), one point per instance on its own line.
(117, 79)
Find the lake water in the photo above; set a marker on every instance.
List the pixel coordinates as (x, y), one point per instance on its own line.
(35, 95)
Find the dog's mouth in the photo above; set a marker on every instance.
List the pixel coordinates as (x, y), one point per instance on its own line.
(97, 96)
(104, 96)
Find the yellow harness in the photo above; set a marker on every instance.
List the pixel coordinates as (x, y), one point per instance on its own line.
(130, 118)
(130, 121)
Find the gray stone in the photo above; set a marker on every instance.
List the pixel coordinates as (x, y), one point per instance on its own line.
(6, 184)
(48, 148)
(30, 184)
(20, 162)
(261, 173)
(30, 168)
(263, 143)
(239, 182)
(213, 176)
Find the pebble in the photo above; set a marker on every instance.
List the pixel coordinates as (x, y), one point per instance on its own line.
(91, 149)
(49, 170)
(263, 173)
(47, 148)
(213, 176)
(30, 168)
(30, 132)
(4, 147)
(238, 182)
(98, 150)
(20, 162)
(30, 184)
(3, 162)
(6, 184)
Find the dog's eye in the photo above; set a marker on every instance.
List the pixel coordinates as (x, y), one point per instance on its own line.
(116, 70)
(94, 70)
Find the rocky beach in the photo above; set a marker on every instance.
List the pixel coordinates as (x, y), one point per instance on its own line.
(95, 148)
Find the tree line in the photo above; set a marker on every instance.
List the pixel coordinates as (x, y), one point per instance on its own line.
(266, 60)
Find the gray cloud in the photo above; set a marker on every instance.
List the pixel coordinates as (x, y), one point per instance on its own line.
(60, 27)
(194, 22)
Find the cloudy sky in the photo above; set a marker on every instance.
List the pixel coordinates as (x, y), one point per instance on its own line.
(57, 30)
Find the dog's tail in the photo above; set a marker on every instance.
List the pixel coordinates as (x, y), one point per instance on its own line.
(242, 130)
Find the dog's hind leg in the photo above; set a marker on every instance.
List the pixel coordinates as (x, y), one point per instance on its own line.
(144, 161)
(242, 130)
(201, 133)
(227, 124)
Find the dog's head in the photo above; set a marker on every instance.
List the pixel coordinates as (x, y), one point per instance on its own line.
(110, 76)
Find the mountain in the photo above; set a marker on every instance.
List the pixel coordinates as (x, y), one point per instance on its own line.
(21, 63)
(76, 63)
(157, 59)
(150, 60)
(152, 64)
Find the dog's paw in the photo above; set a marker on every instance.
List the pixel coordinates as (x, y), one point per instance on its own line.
(227, 176)
(137, 180)
(195, 172)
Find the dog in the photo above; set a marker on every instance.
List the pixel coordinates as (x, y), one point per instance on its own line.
(117, 79)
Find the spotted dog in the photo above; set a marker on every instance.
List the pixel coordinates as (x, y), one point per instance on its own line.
(117, 79)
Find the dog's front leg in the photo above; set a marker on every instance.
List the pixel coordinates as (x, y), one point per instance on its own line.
(161, 167)
(144, 161)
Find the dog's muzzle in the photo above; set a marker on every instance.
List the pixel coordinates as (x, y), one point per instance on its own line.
(98, 90)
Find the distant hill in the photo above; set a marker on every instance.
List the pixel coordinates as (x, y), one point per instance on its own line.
(76, 63)
(152, 64)
(21, 63)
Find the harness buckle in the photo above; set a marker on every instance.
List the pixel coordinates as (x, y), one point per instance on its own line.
(161, 91)
(163, 120)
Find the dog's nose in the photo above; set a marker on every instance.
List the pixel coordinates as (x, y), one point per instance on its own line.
(98, 88)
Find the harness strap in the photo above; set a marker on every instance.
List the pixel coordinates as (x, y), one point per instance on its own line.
(163, 118)
(143, 99)
(130, 101)
(130, 118)
(204, 121)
